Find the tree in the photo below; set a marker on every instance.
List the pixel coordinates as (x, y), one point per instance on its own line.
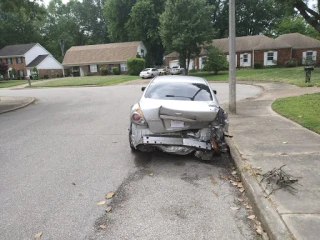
(185, 26)
(3, 68)
(143, 25)
(116, 13)
(254, 17)
(296, 24)
(311, 15)
(216, 61)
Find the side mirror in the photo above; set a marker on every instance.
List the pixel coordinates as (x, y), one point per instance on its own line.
(143, 88)
(215, 92)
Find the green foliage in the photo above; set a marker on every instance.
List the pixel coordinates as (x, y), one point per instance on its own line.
(310, 14)
(215, 61)
(135, 66)
(254, 17)
(115, 71)
(185, 26)
(296, 24)
(14, 72)
(291, 63)
(117, 13)
(103, 71)
(143, 24)
(257, 65)
(46, 76)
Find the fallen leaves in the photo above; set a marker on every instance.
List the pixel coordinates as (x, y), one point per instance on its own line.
(109, 195)
(108, 209)
(102, 226)
(252, 217)
(101, 203)
(38, 235)
(151, 174)
(234, 208)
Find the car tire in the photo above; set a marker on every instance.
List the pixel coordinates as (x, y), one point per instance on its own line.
(152, 76)
(130, 141)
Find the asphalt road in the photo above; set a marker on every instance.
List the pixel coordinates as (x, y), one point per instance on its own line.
(62, 154)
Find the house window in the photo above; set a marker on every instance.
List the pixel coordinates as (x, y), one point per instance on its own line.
(309, 54)
(93, 68)
(245, 58)
(142, 52)
(19, 60)
(52, 72)
(270, 56)
(21, 73)
(9, 60)
(123, 67)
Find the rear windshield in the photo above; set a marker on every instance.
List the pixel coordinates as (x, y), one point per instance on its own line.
(146, 69)
(181, 91)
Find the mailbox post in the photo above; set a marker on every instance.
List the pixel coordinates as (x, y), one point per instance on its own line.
(308, 73)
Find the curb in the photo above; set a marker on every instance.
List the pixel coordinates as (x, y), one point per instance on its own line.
(270, 219)
(32, 100)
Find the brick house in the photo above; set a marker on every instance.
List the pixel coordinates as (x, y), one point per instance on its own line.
(24, 57)
(267, 51)
(87, 60)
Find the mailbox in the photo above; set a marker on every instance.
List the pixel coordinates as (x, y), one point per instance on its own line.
(308, 70)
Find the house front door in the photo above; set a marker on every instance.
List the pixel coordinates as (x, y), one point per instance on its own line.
(245, 60)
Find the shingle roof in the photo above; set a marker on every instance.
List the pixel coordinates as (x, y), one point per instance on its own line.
(16, 50)
(37, 60)
(246, 43)
(297, 40)
(101, 53)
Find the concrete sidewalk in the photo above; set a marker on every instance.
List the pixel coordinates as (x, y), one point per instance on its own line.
(8, 104)
(263, 139)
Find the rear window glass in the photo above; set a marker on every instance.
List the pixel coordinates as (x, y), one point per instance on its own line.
(146, 69)
(181, 91)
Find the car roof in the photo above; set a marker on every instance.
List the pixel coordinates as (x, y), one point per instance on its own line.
(187, 79)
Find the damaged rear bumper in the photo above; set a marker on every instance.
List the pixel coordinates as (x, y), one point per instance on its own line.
(204, 142)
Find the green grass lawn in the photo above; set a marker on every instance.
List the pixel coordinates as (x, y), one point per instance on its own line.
(295, 76)
(88, 80)
(304, 109)
(11, 83)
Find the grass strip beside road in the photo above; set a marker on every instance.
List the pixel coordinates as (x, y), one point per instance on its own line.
(304, 109)
(295, 76)
(12, 83)
(88, 80)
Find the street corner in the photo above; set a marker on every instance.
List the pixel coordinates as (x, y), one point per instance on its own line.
(10, 103)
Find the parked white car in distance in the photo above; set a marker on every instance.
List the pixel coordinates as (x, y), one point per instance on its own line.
(149, 72)
(176, 70)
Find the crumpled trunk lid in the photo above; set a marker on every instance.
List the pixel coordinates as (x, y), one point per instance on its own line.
(172, 116)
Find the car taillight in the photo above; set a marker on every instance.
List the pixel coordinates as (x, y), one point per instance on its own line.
(147, 72)
(137, 115)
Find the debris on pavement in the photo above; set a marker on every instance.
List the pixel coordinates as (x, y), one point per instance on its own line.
(101, 203)
(108, 209)
(109, 195)
(278, 177)
(38, 235)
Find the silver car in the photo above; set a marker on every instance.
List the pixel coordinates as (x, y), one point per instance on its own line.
(179, 115)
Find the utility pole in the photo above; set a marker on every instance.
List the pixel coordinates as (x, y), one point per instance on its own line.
(232, 57)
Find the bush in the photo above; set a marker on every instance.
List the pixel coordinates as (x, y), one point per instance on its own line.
(103, 71)
(46, 76)
(291, 63)
(215, 60)
(257, 65)
(115, 71)
(135, 66)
